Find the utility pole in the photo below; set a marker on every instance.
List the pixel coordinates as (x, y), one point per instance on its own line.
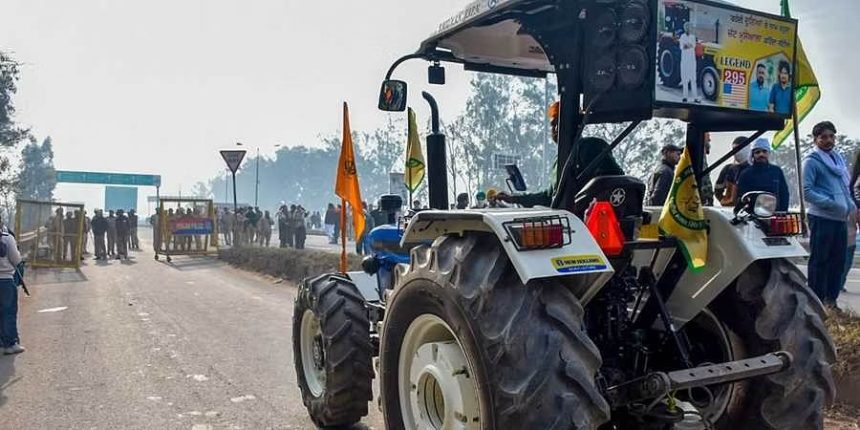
(257, 185)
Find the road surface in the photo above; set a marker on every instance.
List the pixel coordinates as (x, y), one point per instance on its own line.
(146, 345)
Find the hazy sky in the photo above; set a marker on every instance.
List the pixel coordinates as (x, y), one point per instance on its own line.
(159, 86)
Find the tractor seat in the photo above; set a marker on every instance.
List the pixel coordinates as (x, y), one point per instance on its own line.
(626, 194)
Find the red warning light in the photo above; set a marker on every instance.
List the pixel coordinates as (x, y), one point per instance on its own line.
(604, 227)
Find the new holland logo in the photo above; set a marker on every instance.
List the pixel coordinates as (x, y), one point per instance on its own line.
(618, 197)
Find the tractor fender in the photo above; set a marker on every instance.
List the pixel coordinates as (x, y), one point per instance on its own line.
(581, 261)
(731, 250)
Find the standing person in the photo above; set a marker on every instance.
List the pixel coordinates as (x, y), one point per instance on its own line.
(282, 226)
(111, 234)
(290, 232)
(132, 234)
(763, 176)
(265, 226)
(330, 221)
(661, 179)
(300, 226)
(100, 227)
(336, 237)
(70, 229)
(826, 186)
(10, 258)
(726, 189)
(55, 234)
(87, 228)
(689, 76)
(155, 223)
(123, 228)
(369, 225)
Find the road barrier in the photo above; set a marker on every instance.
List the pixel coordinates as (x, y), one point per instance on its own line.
(50, 234)
(188, 227)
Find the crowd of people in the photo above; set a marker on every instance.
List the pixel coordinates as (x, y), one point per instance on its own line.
(113, 235)
(252, 226)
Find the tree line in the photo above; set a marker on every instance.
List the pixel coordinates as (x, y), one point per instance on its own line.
(505, 118)
(26, 165)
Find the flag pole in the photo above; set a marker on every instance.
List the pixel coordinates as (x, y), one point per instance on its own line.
(796, 123)
(343, 236)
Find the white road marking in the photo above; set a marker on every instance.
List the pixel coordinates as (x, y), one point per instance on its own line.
(60, 309)
(198, 378)
(241, 399)
(195, 413)
(201, 427)
(143, 314)
(154, 398)
(212, 414)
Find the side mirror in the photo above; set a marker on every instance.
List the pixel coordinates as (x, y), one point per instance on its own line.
(759, 204)
(392, 96)
(436, 74)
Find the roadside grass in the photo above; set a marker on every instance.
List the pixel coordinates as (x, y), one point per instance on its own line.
(844, 327)
(287, 263)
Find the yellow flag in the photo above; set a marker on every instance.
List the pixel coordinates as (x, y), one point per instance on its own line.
(806, 92)
(414, 157)
(347, 187)
(683, 216)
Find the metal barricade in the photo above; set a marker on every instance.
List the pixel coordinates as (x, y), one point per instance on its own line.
(50, 234)
(185, 226)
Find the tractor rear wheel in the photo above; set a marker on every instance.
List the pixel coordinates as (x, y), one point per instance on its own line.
(770, 308)
(332, 351)
(466, 345)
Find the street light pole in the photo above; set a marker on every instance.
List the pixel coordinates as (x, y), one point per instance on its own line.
(257, 185)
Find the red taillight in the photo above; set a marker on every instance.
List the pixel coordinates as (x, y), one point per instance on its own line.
(604, 227)
(541, 236)
(785, 225)
(539, 232)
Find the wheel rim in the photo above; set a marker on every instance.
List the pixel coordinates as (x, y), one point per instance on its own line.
(436, 390)
(313, 353)
(730, 348)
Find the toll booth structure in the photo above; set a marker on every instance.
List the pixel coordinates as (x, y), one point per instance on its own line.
(50, 234)
(185, 226)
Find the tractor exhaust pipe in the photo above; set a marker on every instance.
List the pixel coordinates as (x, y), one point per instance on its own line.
(437, 160)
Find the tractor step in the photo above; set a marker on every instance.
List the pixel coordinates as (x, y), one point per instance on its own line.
(659, 384)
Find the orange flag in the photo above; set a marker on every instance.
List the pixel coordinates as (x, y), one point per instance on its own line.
(347, 177)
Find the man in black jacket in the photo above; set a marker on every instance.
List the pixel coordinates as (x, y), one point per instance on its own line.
(763, 176)
(122, 230)
(100, 227)
(661, 180)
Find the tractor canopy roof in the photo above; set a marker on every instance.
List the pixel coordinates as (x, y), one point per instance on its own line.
(488, 35)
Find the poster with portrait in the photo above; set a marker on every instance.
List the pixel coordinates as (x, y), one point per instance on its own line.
(716, 55)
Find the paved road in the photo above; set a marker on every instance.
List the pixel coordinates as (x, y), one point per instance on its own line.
(146, 345)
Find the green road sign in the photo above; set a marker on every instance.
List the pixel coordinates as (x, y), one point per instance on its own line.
(108, 178)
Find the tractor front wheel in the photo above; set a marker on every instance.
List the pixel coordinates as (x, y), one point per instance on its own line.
(466, 345)
(332, 351)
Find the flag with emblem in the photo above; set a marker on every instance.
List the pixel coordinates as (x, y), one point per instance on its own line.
(414, 157)
(806, 90)
(347, 187)
(683, 216)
